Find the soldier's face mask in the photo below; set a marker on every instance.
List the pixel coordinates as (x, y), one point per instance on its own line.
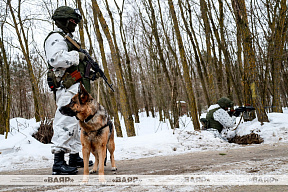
(71, 25)
(73, 21)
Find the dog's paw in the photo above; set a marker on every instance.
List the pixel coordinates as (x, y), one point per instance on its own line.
(114, 169)
(92, 171)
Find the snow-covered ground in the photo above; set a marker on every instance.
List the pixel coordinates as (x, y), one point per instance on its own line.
(154, 138)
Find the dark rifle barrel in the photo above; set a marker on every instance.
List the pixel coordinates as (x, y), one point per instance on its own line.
(247, 108)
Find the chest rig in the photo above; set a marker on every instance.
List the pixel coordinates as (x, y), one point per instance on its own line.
(212, 123)
(72, 75)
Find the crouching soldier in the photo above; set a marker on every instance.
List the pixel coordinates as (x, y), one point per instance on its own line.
(218, 117)
(66, 70)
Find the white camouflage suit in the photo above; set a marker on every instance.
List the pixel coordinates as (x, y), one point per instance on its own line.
(224, 119)
(66, 129)
(222, 116)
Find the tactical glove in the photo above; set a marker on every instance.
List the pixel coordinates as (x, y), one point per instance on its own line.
(82, 56)
(230, 113)
(94, 75)
(236, 113)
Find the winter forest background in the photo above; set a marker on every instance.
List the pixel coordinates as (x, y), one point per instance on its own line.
(155, 52)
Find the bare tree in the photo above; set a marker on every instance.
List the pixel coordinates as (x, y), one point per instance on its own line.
(5, 91)
(120, 81)
(241, 17)
(130, 82)
(278, 38)
(23, 40)
(192, 102)
(104, 62)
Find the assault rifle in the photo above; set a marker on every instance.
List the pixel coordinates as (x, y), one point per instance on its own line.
(239, 110)
(90, 63)
(245, 109)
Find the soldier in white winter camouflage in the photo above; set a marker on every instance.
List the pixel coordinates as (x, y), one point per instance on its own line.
(66, 70)
(218, 117)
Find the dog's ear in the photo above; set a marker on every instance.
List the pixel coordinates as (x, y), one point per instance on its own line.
(83, 94)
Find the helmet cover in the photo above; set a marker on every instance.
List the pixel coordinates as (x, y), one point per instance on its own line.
(65, 12)
(224, 102)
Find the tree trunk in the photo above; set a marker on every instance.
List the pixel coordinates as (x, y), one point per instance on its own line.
(224, 48)
(210, 46)
(5, 93)
(84, 24)
(24, 48)
(80, 25)
(106, 71)
(198, 56)
(241, 17)
(158, 44)
(142, 79)
(128, 64)
(120, 81)
(174, 119)
(277, 56)
(6, 96)
(188, 82)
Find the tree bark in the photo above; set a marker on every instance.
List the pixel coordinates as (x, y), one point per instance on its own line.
(142, 79)
(198, 56)
(158, 43)
(210, 46)
(134, 103)
(25, 49)
(6, 91)
(106, 71)
(241, 17)
(188, 82)
(277, 56)
(80, 25)
(120, 81)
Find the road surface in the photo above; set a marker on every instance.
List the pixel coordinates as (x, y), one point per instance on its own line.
(257, 159)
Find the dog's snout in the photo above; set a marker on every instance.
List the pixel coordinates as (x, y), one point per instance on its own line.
(62, 111)
(67, 111)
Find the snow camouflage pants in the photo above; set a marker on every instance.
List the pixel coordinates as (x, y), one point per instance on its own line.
(66, 129)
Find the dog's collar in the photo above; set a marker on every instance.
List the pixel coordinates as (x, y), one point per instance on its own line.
(89, 118)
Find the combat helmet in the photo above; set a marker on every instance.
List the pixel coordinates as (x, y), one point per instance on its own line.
(65, 12)
(224, 102)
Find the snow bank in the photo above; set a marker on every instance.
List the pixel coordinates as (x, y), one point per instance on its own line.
(272, 132)
(154, 138)
(20, 150)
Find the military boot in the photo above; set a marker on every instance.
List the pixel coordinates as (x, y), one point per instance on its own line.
(76, 161)
(60, 167)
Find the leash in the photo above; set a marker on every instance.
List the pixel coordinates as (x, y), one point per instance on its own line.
(98, 98)
(98, 95)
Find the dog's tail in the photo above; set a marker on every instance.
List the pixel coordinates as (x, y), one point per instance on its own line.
(105, 157)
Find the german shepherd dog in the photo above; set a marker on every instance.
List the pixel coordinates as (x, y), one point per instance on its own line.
(97, 132)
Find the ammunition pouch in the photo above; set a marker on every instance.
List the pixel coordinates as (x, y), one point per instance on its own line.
(70, 79)
(52, 80)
